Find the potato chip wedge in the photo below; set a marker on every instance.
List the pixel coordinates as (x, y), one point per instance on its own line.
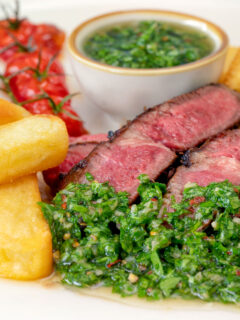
(231, 53)
(232, 76)
(32, 144)
(25, 239)
(10, 112)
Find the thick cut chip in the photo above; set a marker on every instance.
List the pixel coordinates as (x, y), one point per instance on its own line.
(232, 76)
(231, 53)
(32, 144)
(10, 112)
(25, 239)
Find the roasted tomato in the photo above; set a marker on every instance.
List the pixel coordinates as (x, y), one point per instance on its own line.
(35, 73)
(66, 113)
(15, 37)
(49, 37)
(39, 81)
(29, 38)
(20, 35)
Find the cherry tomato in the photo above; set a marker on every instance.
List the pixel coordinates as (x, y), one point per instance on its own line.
(40, 78)
(45, 77)
(9, 36)
(28, 37)
(67, 114)
(49, 37)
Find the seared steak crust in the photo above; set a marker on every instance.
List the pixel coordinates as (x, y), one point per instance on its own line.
(120, 162)
(149, 142)
(188, 120)
(215, 161)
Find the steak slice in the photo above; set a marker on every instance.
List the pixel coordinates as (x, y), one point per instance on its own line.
(226, 144)
(215, 161)
(144, 145)
(79, 148)
(88, 138)
(76, 153)
(188, 120)
(122, 162)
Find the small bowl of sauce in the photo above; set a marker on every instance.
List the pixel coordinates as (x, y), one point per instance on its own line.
(125, 61)
(148, 44)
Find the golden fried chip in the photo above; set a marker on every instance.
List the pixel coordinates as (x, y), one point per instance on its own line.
(32, 144)
(25, 238)
(231, 53)
(10, 112)
(232, 76)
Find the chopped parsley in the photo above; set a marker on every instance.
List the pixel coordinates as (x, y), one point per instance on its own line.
(148, 44)
(191, 252)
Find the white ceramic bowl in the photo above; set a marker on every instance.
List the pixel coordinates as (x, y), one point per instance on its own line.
(125, 92)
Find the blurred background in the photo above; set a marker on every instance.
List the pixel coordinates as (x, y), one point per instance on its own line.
(67, 14)
(223, 12)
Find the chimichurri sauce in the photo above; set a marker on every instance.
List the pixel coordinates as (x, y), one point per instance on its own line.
(148, 44)
(191, 252)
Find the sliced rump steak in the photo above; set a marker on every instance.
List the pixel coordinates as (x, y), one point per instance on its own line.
(148, 143)
(79, 148)
(216, 161)
(89, 138)
(188, 120)
(123, 161)
(226, 144)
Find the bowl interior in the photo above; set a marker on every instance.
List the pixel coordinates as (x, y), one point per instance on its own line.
(93, 25)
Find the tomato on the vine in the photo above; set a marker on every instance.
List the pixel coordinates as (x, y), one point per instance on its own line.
(35, 73)
(67, 114)
(38, 83)
(33, 77)
(49, 38)
(20, 35)
(13, 39)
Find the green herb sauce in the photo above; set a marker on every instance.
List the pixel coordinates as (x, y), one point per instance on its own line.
(148, 44)
(191, 252)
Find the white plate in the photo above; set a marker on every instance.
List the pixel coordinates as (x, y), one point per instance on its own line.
(40, 300)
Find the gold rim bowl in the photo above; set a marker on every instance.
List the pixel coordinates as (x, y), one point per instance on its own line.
(88, 27)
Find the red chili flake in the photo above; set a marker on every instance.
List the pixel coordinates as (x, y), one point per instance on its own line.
(167, 225)
(149, 272)
(208, 238)
(197, 200)
(238, 272)
(215, 212)
(186, 214)
(63, 197)
(236, 190)
(182, 216)
(229, 253)
(113, 263)
(142, 267)
(154, 199)
(149, 290)
(64, 205)
(191, 209)
(237, 215)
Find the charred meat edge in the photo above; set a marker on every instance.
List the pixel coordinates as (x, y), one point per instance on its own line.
(112, 136)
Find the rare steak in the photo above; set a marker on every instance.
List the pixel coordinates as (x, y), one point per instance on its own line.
(215, 161)
(188, 120)
(122, 161)
(148, 143)
(79, 148)
(88, 138)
